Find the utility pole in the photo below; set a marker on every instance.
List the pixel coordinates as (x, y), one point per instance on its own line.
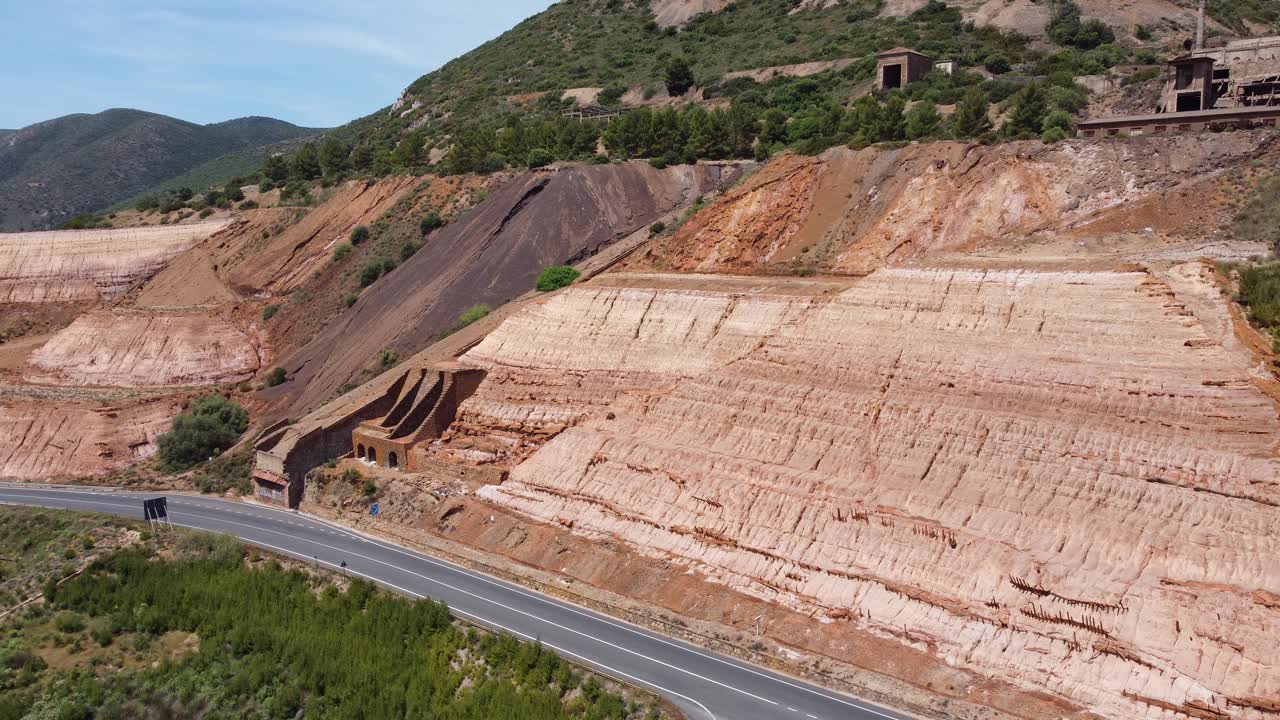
(1204, 4)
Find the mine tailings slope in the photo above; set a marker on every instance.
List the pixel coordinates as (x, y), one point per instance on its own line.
(853, 211)
(491, 255)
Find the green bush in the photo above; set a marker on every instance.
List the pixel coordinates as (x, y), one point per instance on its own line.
(213, 424)
(1260, 293)
(408, 250)
(430, 221)
(370, 273)
(102, 633)
(1053, 135)
(270, 311)
(657, 228)
(472, 314)
(341, 252)
(539, 157)
(359, 234)
(68, 622)
(249, 205)
(276, 377)
(554, 278)
(350, 299)
(387, 359)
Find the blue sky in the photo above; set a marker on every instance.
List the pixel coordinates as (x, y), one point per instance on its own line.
(317, 63)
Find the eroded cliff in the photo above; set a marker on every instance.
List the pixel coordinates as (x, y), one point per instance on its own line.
(124, 348)
(88, 265)
(1062, 479)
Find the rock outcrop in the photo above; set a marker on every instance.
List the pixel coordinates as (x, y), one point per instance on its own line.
(42, 440)
(855, 211)
(125, 348)
(88, 265)
(1092, 511)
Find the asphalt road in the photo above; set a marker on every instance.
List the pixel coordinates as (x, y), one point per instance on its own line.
(702, 684)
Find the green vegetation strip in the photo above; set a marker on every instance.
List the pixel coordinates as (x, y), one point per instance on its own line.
(201, 630)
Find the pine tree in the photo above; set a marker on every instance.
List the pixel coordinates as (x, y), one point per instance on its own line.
(306, 163)
(276, 169)
(971, 118)
(333, 156)
(923, 121)
(679, 77)
(1029, 110)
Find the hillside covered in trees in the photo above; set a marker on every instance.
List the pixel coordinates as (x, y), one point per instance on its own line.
(687, 97)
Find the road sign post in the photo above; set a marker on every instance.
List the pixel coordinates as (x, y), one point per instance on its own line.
(156, 512)
(373, 510)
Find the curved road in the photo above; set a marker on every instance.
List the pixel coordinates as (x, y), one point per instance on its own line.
(705, 685)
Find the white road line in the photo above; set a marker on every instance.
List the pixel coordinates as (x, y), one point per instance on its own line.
(622, 626)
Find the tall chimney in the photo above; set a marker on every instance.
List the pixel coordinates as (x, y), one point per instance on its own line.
(1200, 25)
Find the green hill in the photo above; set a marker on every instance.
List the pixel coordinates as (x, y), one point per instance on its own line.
(54, 170)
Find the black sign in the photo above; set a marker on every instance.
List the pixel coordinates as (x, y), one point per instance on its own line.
(155, 509)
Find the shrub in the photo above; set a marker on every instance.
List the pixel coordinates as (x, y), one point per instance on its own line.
(359, 234)
(1260, 292)
(370, 488)
(249, 205)
(408, 250)
(212, 425)
(657, 228)
(998, 63)
(68, 622)
(270, 311)
(101, 633)
(472, 314)
(370, 273)
(387, 359)
(538, 157)
(1053, 135)
(468, 316)
(350, 299)
(554, 278)
(206, 212)
(1059, 120)
(430, 221)
(276, 377)
(341, 252)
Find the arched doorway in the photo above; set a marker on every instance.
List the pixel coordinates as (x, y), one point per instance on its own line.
(360, 451)
(373, 455)
(392, 460)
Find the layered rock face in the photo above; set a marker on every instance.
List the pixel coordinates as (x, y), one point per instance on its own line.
(88, 265)
(855, 211)
(1063, 479)
(42, 440)
(123, 348)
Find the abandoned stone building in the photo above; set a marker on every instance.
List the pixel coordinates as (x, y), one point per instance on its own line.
(901, 66)
(385, 423)
(1233, 86)
(1245, 73)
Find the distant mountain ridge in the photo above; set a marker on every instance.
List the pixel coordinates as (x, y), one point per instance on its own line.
(54, 170)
